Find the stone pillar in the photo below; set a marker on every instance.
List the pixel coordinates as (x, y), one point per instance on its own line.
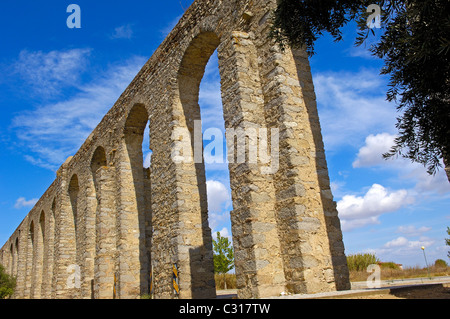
(148, 228)
(65, 271)
(85, 233)
(38, 258)
(181, 234)
(129, 241)
(49, 244)
(29, 257)
(259, 267)
(21, 262)
(105, 234)
(89, 234)
(15, 257)
(312, 247)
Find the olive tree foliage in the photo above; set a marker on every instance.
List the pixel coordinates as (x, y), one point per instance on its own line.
(7, 284)
(414, 43)
(447, 241)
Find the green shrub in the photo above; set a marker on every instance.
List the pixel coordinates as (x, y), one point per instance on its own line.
(360, 262)
(440, 263)
(7, 284)
(389, 265)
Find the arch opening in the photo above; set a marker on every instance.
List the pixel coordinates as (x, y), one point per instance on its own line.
(74, 190)
(98, 160)
(138, 157)
(73, 234)
(200, 97)
(16, 257)
(39, 256)
(31, 233)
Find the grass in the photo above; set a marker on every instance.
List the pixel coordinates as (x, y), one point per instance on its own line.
(230, 279)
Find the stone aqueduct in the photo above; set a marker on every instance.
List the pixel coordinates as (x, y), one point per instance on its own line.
(119, 222)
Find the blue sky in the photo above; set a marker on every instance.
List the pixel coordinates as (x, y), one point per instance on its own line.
(57, 83)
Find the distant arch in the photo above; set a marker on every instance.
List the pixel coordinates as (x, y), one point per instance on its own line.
(31, 232)
(38, 258)
(42, 225)
(74, 190)
(11, 259)
(135, 126)
(98, 160)
(30, 259)
(16, 257)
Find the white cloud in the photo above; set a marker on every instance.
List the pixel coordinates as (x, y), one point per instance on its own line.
(224, 232)
(371, 154)
(359, 211)
(147, 159)
(122, 32)
(47, 72)
(409, 252)
(52, 132)
(352, 105)
(219, 204)
(400, 241)
(219, 197)
(403, 249)
(404, 243)
(210, 97)
(426, 183)
(412, 230)
(22, 202)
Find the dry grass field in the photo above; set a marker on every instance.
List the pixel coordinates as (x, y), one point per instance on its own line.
(407, 273)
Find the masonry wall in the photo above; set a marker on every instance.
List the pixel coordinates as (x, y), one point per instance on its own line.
(115, 223)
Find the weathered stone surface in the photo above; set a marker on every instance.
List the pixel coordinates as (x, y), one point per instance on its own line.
(107, 225)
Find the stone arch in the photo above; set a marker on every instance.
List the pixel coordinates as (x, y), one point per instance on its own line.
(254, 229)
(16, 257)
(30, 257)
(98, 164)
(104, 245)
(38, 256)
(282, 240)
(191, 245)
(53, 251)
(42, 224)
(73, 235)
(31, 232)
(191, 71)
(74, 190)
(11, 259)
(98, 160)
(48, 237)
(134, 191)
(190, 75)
